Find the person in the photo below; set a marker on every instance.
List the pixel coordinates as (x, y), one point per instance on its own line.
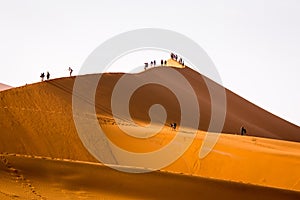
(173, 125)
(154, 63)
(161, 62)
(172, 56)
(42, 76)
(165, 62)
(243, 130)
(146, 65)
(151, 63)
(71, 71)
(48, 76)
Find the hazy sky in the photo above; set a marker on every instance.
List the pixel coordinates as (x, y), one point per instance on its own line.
(254, 44)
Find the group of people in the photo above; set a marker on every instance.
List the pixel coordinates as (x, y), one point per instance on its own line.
(153, 64)
(164, 62)
(243, 130)
(175, 57)
(42, 76)
(173, 125)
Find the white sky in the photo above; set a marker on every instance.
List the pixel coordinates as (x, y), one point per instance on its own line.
(255, 44)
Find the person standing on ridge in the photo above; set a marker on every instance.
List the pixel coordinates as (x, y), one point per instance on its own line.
(71, 71)
(48, 75)
(42, 76)
(146, 66)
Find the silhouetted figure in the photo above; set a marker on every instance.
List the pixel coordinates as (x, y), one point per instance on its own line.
(146, 66)
(243, 131)
(173, 125)
(151, 63)
(48, 76)
(161, 62)
(165, 62)
(71, 71)
(154, 63)
(172, 56)
(42, 76)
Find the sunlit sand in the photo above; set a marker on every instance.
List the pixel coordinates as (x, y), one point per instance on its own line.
(42, 156)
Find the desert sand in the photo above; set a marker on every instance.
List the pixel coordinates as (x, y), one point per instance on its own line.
(42, 156)
(45, 178)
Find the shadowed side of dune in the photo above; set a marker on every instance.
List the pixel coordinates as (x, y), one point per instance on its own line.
(239, 112)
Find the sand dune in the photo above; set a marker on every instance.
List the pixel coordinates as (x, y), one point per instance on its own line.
(37, 120)
(25, 178)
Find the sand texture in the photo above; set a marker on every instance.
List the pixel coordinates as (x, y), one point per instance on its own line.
(42, 156)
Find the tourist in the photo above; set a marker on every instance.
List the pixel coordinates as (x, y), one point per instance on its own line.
(42, 76)
(243, 130)
(71, 71)
(48, 76)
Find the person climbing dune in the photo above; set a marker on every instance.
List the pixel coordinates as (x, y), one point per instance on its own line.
(146, 66)
(173, 125)
(243, 130)
(42, 76)
(48, 76)
(71, 71)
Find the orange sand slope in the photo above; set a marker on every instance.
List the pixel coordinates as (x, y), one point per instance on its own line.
(243, 159)
(40, 178)
(37, 120)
